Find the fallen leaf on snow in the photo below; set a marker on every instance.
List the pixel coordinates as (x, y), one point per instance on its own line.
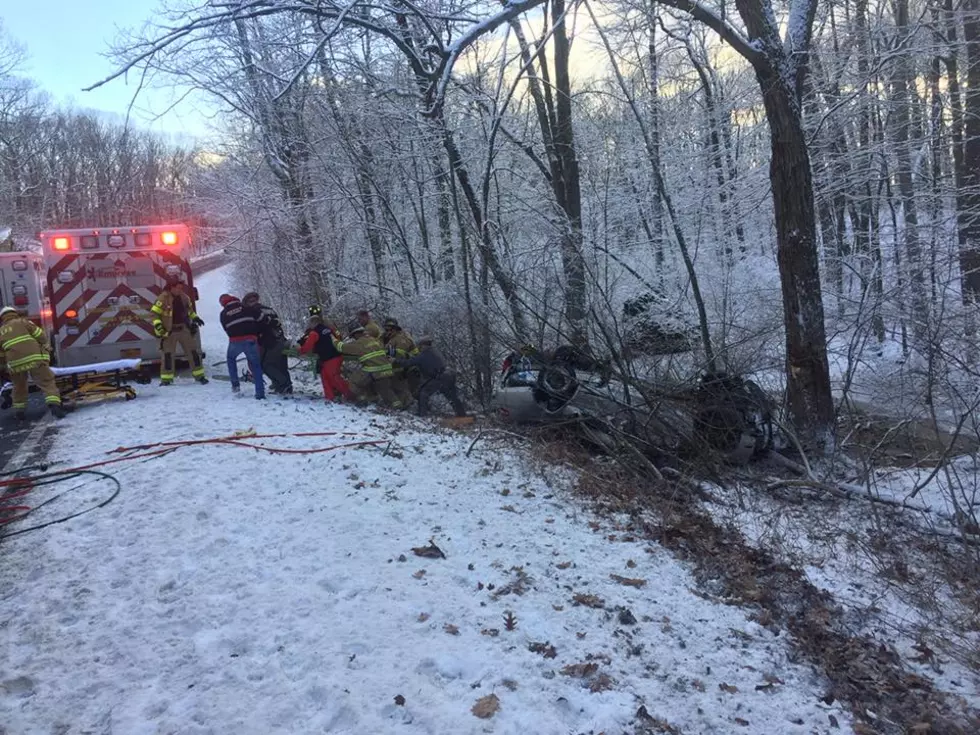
(423, 617)
(486, 707)
(728, 688)
(699, 685)
(557, 608)
(580, 670)
(510, 684)
(564, 565)
(505, 492)
(588, 600)
(492, 632)
(630, 564)
(399, 700)
(451, 629)
(628, 581)
(545, 649)
(419, 574)
(508, 508)
(430, 552)
(740, 721)
(602, 683)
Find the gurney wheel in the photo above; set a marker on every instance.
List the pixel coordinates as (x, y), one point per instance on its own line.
(130, 396)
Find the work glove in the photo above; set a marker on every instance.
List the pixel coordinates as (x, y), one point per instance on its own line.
(158, 329)
(291, 352)
(197, 321)
(302, 340)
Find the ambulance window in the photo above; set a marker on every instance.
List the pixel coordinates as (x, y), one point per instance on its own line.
(116, 241)
(90, 242)
(19, 265)
(144, 239)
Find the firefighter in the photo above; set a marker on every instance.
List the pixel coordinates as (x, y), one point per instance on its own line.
(436, 377)
(176, 322)
(241, 324)
(370, 326)
(374, 367)
(400, 346)
(25, 352)
(272, 344)
(321, 340)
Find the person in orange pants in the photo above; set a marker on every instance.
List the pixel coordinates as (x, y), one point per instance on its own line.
(321, 341)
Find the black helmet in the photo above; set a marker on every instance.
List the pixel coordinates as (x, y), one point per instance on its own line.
(391, 323)
(315, 310)
(425, 339)
(353, 328)
(250, 296)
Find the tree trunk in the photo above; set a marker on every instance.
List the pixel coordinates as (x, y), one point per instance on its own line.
(903, 82)
(807, 372)
(969, 178)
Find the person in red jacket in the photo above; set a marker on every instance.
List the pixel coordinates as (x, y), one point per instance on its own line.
(319, 340)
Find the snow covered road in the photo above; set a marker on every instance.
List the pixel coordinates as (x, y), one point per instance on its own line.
(228, 590)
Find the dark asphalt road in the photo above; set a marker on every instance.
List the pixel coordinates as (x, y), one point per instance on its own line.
(13, 433)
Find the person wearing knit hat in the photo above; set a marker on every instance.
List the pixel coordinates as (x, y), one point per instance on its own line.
(241, 324)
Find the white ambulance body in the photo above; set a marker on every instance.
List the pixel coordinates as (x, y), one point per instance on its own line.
(103, 282)
(24, 286)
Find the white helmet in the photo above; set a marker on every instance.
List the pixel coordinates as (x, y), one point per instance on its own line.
(7, 310)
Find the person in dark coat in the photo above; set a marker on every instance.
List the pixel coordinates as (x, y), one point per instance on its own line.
(436, 377)
(321, 341)
(241, 324)
(272, 344)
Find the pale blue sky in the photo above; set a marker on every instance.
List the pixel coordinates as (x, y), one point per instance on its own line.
(66, 41)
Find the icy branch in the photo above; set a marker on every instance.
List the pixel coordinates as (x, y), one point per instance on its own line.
(511, 10)
(725, 30)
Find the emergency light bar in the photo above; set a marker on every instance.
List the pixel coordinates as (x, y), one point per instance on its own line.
(61, 243)
(168, 238)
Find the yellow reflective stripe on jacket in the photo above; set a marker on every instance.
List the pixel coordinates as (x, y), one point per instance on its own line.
(372, 355)
(157, 308)
(37, 333)
(376, 368)
(16, 341)
(29, 360)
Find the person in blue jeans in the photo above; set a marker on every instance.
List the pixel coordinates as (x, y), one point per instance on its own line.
(241, 324)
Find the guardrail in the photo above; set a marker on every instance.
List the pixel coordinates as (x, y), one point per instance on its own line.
(211, 261)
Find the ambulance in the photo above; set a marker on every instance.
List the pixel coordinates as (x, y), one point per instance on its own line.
(24, 282)
(102, 283)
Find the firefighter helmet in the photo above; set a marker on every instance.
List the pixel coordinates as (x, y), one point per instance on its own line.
(353, 328)
(7, 310)
(315, 310)
(391, 323)
(425, 339)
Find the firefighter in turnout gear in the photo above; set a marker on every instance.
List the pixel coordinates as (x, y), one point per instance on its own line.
(176, 322)
(374, 368)
(400, 346)
(370, 326)
(24, 353)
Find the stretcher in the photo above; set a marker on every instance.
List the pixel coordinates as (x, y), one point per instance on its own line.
(87, 383)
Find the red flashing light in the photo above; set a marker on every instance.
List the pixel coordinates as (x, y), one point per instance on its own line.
(46, 313)
(71, 314)
(62, 243)
(168, 238)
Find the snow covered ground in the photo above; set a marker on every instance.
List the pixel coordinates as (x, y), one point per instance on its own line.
(228, 590)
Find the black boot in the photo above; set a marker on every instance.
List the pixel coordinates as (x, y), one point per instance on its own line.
(20, 415)
(202, 380)
(56, 410)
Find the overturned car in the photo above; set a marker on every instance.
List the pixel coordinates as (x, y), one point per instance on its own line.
(722, 415)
